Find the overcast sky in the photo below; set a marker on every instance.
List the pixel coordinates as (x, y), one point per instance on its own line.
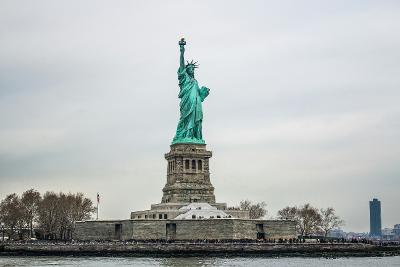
(304, 102)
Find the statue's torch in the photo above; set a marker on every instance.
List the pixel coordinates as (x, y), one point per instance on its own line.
(182, 42)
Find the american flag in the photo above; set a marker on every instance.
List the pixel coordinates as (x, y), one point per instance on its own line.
(98, 198)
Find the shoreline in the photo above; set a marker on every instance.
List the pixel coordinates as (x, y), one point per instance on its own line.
(186, 249)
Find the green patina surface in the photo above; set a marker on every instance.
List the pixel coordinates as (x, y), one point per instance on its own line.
(189, 129)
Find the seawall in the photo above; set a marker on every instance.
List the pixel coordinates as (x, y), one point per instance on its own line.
(187, 249)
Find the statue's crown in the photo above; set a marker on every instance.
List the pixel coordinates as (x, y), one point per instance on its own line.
(194, 64)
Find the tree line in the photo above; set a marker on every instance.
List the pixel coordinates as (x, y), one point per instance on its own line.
(52, 215)
(309, 220)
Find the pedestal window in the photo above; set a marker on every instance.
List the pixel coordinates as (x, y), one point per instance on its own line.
(187, 162)
(193, 164)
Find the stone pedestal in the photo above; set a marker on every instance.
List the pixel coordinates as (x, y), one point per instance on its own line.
(188, 175)
(188, 181)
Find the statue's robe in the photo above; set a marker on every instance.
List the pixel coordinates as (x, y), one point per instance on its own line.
(190, 123)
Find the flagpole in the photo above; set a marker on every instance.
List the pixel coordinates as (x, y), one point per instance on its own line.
(97, 209)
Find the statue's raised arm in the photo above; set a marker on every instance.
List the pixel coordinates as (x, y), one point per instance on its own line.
(182, 44)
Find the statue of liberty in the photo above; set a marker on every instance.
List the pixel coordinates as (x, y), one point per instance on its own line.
(191, 95)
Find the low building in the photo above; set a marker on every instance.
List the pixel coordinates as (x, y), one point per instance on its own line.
(185, 229)
(387, 234)
(396, 229)
(337, 233)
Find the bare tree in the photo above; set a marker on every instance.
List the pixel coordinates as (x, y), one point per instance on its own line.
(59, 212)
(288, 213)
(291, 213)
(48, 215)
(64, 211)
(72, 208)
(329, 220)
(83, 208)
(309, 220)
(256, 210)
(29, 207)
(245, 204)
(10, 214)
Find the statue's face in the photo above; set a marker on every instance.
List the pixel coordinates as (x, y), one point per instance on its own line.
(190, 70)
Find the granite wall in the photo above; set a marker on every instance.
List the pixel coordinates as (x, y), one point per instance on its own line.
(210, 229)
